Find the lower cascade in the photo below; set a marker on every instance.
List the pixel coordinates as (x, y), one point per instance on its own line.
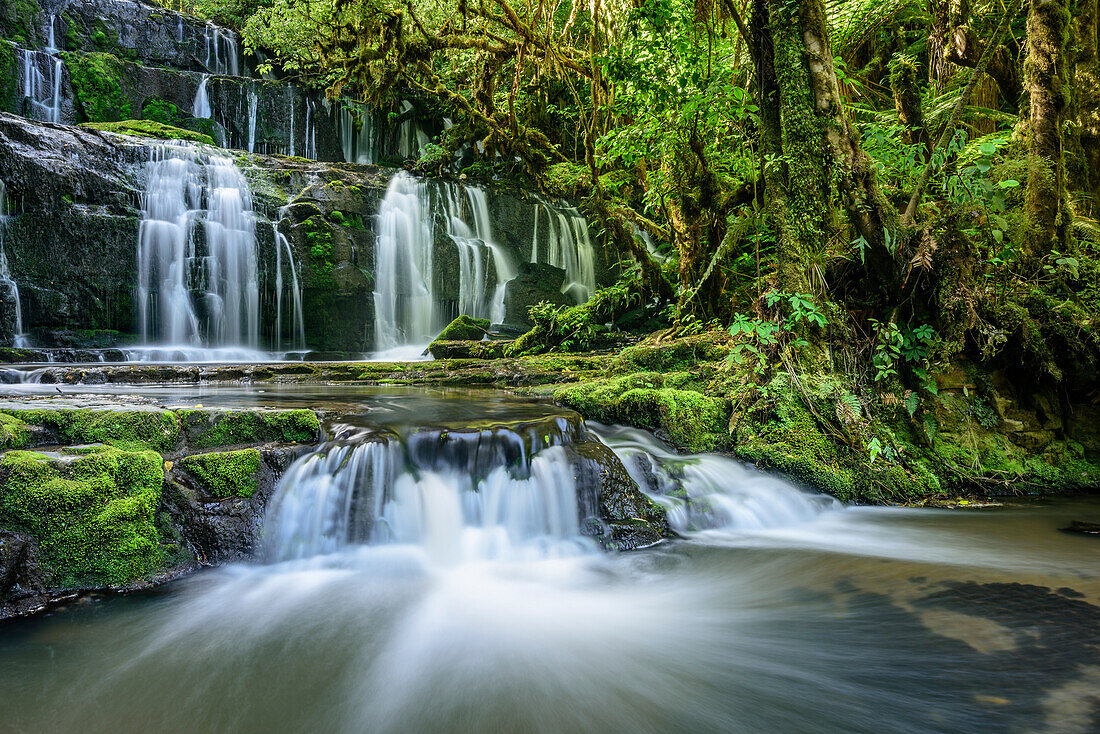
(459, 496)
(197, 265)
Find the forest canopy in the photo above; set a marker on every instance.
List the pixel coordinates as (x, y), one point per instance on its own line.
(875, 183)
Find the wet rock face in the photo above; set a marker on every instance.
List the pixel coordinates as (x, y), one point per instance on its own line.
(220, 512)
(535, 283)
(20, 569)
(616, 512)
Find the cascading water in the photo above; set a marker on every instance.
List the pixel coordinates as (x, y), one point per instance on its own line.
(706, 492)
(406, 312)
(565, 244)
(358, 136)
(298, 329)
(201, 107)
(187, 296)
(311, 130)
(221, 51)
(253, 105)
(290, 115)
(42, 89)
(458, 496)
(466, 214)
(411, 138)
(404, 308)
(5, 273)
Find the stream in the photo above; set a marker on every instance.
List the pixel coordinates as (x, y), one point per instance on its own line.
(473, 601)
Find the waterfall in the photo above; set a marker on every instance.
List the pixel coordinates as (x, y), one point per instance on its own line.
(51, 42)
(403, 303)
(253, 104)
(358, 137)
(186, 296)
(5, 272)
(217, 62)
(298, 338)
(405, 309)
(475, 243)
(290, 110)
(410, 137)
(42, 91)
(567, 246)
(707, 492)
(201, 107)
(311, 131)
(459, 496)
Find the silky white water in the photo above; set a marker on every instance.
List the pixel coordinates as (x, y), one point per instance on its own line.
(190, 296)
(5, 272)
(405, 603)
(404, 310)
(201, 107)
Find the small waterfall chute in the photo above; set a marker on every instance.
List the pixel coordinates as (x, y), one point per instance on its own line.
(404, 306)
(707, 492)
(201, 107)
(459, 496)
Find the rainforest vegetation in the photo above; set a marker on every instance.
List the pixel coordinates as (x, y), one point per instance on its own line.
(855, 198)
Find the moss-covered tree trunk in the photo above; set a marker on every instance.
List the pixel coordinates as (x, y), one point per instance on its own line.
(1085, 173)
(1046, 97)
(814, 167)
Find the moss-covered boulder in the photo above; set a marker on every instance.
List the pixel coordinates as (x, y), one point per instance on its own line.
(464, 328)
(225, 473)
(91, 515)
(126, 428)
(655, 401)
(213, 428)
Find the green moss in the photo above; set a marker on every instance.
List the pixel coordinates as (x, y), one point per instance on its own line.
(692, 420)
(9, 77)
(158, 430)
(322, 262)
(92, 516)
(150, 129)
(464, 328)
(213, 428)
(96, 83)
(568, 180)
(14, 433)
(226, 474)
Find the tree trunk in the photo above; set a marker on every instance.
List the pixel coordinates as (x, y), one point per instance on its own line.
(814, 166)
(1046, 99)
(1085, 176)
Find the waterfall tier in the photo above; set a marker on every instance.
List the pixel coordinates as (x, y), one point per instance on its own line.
(408, 309)
(197, 290)
(512, 491)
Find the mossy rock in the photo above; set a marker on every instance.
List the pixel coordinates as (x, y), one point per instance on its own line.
(212, 428)
(150, 129)
(92, 515)
(467, 349)
(14, 433)
(225, 473)
(96, 79)
(464, 328)
(679, 354)
(690, 419)
(132, 430)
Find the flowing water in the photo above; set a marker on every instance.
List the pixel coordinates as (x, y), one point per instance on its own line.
(190, 295)
(419, 579)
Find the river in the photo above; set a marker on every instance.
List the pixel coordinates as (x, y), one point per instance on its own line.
(486, 610)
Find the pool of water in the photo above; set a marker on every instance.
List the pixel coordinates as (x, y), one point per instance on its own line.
(777, 611)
